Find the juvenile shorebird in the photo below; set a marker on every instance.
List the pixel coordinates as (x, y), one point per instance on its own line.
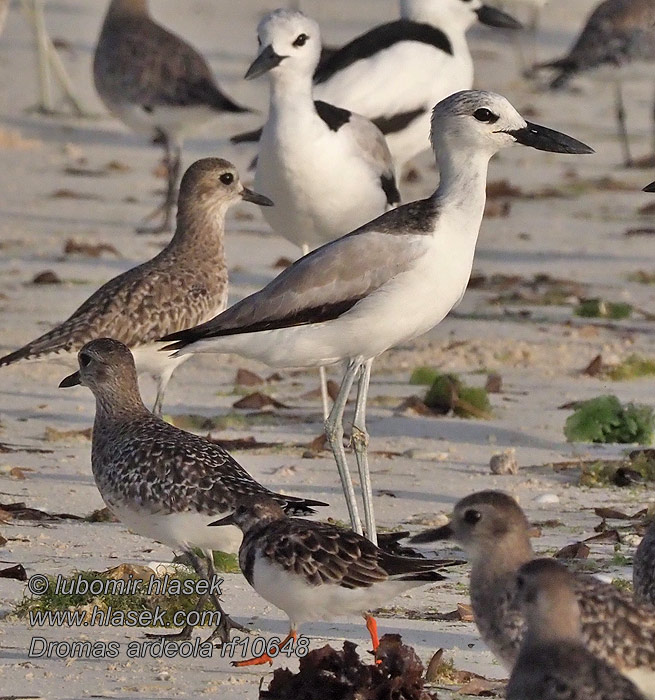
(316, 571)
(616, 41)
(493, 531)
(553, 662)
(327, 170)
(395, 73)
(643, 573)
(184, 284)
(157, 84)
(160, 481)
(385, 283)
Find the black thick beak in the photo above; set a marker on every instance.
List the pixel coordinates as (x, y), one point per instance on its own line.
(227, 520)
(494, 17)
(267, 60)
(650, 188)
(545, 139)
(71, 380)
(445, 532)
(250, 196)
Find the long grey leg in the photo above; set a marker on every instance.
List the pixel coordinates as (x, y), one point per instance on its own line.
(621, 123)
(360, 446)
(226, 624)
(173, 157)
(334, 433)
(162, 382)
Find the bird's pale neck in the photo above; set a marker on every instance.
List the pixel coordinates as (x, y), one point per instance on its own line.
(200, 227)
(554, 617)
(118, 401)
(290, 90)
(500, 558)
(463, 179)
(128, 8)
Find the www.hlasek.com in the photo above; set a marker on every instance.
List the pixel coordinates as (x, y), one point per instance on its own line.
(106, 616)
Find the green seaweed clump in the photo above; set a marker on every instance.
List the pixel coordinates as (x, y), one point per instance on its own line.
(605, 420)
(598, 308)
(632, 367)
(423, 376)
(449, 393)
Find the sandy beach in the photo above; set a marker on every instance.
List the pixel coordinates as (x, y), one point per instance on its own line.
(577, 220)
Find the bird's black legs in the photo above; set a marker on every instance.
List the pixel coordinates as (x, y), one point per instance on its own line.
(173, 158)
(226, 624)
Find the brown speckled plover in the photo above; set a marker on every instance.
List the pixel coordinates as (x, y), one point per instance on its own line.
(396, 72)
(156, 83)
(184, 284)
(616, 41)
(553, 662)
(385, 283)
(317, 571)
(643, 574)
(493, 531)
(160, 481)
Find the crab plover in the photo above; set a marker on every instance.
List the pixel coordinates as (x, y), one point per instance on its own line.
(493, 531)
(643, 573)
(395, 73)
(160, 481)
(157, 84)
(327, 170)
(553, 662)
(617, 39)
(316, 571)
(184, 284)
(385, 283)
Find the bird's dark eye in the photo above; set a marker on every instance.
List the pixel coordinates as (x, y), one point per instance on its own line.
(227, 178)
(301, 40)
(485, 115)
(520, 582)
(85, 359)
(472, 516)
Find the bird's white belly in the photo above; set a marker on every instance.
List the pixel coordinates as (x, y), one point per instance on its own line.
(320, 191)
(179, 531)
(303, 603)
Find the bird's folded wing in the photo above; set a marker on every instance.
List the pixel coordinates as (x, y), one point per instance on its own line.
(320, 286)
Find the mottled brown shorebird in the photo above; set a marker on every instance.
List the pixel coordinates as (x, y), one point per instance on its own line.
(157, 84)
(160, 481)
(494, 532)
(643, 573)
(553, 663)
(184, 284)
(617, 43)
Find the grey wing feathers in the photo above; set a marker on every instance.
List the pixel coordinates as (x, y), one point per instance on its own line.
(165, 469)
(136, 307)
(318, 287)
(145, 64)
(374, 149)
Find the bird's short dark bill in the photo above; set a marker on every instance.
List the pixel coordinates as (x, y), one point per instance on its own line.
(227, 520)
(250, 196)
(544, 139)
(650, 188)
(267, 60)
(440, 533)
(71, 380)
(493, 17)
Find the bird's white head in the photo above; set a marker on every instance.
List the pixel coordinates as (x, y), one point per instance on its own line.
(455, 15)
(485, 122)
(289, 44)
